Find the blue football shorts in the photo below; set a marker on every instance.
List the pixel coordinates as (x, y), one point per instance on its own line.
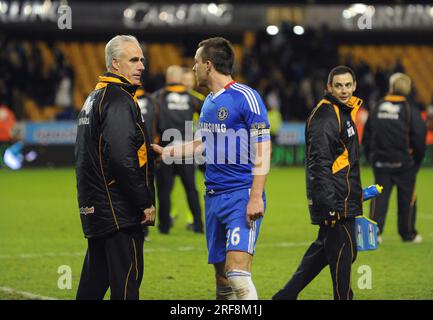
(226, 224)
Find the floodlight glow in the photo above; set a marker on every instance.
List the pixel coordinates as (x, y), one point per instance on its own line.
(163, 16)
(27, 9)
(129, 13)
(212, 8)
(181, 14)
(347, 14)
(272, 30)
(359, 8)
(299, 30)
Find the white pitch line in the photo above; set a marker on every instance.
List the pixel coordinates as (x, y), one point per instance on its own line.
(42, 255)
(33, 296)
(25, 294)
(285, 244)
(157, 250)
(146, 250)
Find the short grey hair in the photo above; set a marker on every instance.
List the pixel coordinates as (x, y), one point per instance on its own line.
(113, 49)
(400, 84)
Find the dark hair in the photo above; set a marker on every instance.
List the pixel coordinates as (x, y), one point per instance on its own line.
(220, 52)
(340, 70)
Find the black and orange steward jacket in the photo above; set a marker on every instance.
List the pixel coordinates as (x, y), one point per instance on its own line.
(332, 160)
(394, 135)
(147, 105)
(113, 163)
(174, 106)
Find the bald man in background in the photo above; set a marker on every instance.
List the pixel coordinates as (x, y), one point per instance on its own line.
(394, 144)
(175, 107)
(188, 80)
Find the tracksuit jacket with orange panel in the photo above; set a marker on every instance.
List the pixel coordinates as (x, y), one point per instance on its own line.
(114, 166)
(332, 160)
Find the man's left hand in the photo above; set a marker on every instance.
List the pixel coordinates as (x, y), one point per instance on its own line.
(255, 209)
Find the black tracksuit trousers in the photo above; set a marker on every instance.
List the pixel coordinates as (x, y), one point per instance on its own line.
(115, 262)
(406, 199)
(165, 176)
(335, 247)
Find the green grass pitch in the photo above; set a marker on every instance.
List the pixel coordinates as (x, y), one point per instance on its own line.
(40, 231)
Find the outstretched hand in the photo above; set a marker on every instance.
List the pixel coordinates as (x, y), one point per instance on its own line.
(157, 149)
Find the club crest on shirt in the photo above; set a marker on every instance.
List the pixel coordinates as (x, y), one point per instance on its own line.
(222, 113)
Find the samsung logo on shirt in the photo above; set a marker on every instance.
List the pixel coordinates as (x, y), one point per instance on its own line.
(213, 127)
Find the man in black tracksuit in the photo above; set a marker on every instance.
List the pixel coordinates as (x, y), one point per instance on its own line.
(114, 177)
(147, 104)
(394, 143)
(334, 189)
(176, 106)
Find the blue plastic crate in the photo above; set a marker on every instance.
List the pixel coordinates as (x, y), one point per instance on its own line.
(366, 231)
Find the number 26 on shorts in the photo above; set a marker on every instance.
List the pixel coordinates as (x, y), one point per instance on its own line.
(234, 238)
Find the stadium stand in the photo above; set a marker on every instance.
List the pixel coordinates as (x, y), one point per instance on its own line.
(281, 69)
(417, 61)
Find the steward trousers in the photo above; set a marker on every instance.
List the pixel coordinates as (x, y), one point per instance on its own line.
(115, 262)
(334, 246)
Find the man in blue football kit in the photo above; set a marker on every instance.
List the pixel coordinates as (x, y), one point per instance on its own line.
(235, 141)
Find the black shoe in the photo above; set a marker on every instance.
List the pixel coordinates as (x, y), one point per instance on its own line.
(164, 231)
(191, 227)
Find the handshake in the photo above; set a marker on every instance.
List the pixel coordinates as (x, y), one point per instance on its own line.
(332, 217)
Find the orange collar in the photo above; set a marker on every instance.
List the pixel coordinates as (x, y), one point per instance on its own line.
(394, 98)
(116, 78)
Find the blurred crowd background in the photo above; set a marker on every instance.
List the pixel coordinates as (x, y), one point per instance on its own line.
(284, 51)
(40, 82)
